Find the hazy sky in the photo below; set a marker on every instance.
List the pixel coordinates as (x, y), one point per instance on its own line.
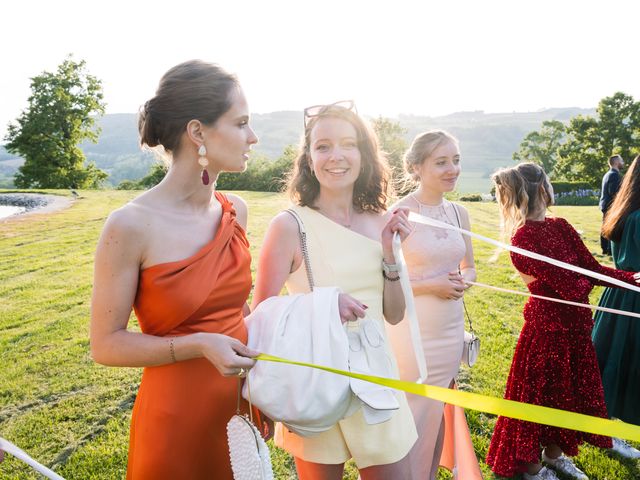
(422, 57)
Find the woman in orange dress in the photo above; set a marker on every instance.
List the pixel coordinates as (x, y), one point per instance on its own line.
(179, 256)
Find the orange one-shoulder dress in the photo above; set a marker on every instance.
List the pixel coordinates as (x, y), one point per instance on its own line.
(178, 425)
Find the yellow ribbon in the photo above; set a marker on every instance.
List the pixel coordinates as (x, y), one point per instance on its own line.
(496, 406)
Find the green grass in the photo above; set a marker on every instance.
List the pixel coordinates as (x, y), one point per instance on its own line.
(73, 415)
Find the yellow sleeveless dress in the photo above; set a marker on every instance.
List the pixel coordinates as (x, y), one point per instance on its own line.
(343, 258)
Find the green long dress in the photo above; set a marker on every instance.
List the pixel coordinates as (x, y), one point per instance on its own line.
(617, 337)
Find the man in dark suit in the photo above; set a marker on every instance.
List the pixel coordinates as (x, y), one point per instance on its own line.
(610, 186)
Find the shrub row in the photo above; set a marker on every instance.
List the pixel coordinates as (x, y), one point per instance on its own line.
(564, 187)
(262, 175)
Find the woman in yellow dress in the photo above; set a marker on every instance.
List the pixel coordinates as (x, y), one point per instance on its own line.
(340, 188)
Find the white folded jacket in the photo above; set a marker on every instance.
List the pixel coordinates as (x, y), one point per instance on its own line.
(307, 328)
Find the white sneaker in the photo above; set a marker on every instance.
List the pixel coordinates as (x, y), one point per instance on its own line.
(543, 474)
(625, 450)
(565, 465)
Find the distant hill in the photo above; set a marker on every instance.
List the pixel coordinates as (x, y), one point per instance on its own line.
(487, 140)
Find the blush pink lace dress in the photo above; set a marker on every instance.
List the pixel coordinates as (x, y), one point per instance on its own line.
(431, 252)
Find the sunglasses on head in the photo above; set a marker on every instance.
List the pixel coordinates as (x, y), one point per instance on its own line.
(318, 110)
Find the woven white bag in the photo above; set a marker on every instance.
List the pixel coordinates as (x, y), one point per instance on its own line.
(250, 459)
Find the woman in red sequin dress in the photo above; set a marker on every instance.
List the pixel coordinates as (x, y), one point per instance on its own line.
(554, 363)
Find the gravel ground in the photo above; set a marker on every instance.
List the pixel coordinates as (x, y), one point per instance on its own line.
(35, 202)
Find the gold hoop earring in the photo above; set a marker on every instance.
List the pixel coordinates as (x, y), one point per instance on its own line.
(203, 162)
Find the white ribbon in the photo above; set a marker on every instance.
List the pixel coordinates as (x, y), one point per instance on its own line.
(414, 217)
(9, 447)
(410, 307)
(557, 300)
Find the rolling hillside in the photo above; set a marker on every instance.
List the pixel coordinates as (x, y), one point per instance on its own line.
(487, 141)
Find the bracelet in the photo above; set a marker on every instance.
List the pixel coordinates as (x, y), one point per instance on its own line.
(172, 351)
(391, 279)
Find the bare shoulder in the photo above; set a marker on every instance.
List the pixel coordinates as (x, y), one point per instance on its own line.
(403, 202)
(376, 222)
(238, 202)
(127, 219)
(284, 224)
(406, 203)
(124, 235)
(240, 206)
(281, 244)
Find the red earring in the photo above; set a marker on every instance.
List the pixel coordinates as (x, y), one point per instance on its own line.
(202, 160)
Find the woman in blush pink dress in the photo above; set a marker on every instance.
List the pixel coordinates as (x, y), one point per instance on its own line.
(439, 262)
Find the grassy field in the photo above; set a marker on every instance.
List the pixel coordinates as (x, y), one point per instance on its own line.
(73, 415)
(473, 182)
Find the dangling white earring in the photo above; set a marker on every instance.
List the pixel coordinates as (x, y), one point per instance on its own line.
(202, 160)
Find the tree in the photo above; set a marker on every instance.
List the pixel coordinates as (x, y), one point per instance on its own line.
(391, 137)
(154, 176)
(581, 157)
(61, 114)
(542, 146)
(156, 173)
(591, 141)
(619, 124)
(263, 174)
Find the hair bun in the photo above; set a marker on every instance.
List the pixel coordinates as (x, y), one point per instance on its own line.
(192, 90)
(148, 136)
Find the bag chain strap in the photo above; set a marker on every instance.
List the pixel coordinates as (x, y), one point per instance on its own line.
(303, 246)
(464, 305)
(246, 379)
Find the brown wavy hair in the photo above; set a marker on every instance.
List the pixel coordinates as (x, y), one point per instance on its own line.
(372, 188)
(626, 201)
(518, 194)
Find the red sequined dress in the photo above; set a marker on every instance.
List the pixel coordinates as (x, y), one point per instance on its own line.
(554, 363)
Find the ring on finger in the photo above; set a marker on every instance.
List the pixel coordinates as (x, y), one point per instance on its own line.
(242, 372)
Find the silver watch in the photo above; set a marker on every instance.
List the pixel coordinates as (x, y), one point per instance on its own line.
(390, 267)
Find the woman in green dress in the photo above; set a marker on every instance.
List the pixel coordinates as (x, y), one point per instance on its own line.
(617, 337)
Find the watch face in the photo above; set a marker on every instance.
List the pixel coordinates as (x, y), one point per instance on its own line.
(390, 267)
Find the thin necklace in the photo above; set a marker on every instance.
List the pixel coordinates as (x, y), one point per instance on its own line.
(333, 219)
(415, 197)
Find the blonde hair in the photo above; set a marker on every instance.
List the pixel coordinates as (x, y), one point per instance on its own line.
(421, 148)
(519, 194)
